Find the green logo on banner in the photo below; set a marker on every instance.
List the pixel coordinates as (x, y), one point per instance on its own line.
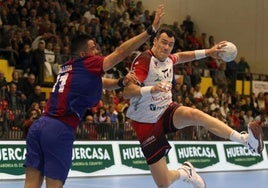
(131, 155)
(12, 158)
(91, 158)
(240, 155)
(200, 155)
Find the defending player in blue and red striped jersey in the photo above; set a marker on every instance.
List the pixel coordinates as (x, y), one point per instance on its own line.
(79, 86)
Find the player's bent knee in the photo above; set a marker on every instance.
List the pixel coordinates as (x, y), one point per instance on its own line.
(190, 112)
(52, 183)
(164, 184)
(197, 114)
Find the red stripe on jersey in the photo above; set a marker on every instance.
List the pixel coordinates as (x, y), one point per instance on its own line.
(141, 66)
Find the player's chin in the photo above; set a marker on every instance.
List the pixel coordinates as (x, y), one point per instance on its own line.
(163, 56)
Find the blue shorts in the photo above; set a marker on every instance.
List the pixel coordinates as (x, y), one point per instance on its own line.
(49, 146)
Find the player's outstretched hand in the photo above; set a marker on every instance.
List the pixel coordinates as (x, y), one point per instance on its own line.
(214, 50)
(158, 16)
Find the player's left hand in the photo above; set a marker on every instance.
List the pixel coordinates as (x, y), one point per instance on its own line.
(214, 51)
(130, 77)
(162, 87)
(158, 15)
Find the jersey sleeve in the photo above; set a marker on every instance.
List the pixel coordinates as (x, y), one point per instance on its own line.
(174, 58)
(94, 64)
(141, 66)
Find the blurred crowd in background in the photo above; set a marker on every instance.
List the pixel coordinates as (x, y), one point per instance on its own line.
(35, 38)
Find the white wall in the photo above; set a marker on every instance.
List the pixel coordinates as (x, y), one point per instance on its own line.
(244, 22)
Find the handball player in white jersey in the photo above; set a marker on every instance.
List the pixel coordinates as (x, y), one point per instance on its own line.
(154, 115)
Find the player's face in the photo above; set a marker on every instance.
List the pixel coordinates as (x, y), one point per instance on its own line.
(163, 46)
(92, 50)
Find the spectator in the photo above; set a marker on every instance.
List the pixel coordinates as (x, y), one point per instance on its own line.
(248, 117)
(234, 120)
(209, 94)
(15, 77)
(215, 104)
(211, 41)
(3, 82)
(87, 130)
(175, 27)
(243, 125)
(49, 59)
(14, 99)
(224, 110)
(198, 96)
(112, 115)
(145, 18)
(33, 28)
(176, 91)
(13, 16)
(261, 101)
(113, 123)
(248, 105)
(104, 128)
(203, 41)
(38, 61)
(25, 58)
(193, 41)
(26, 85)
(254, 103)
(37, 96)
(196, 74)
(242, 68)
(231, 74)
(212, 64)
(220, 79)
(24, 16)
(42, 105)
(139, 7)
(30, 118)
(187, 73)
(90, 14)
(188, 24)
(102, 7)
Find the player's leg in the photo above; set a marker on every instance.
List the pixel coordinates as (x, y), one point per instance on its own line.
(52, 183)
(57, 143)
(34, 159)
(186, 116)
(163, 177)
(33, 178)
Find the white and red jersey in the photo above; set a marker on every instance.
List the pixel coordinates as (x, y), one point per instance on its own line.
(150, 71)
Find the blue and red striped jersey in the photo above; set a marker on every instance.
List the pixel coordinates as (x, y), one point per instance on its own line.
(78, 87)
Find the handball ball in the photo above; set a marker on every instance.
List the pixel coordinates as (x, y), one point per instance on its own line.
(230, 52)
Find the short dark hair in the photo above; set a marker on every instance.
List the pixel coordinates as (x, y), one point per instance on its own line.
(79, 43)
(166, 30)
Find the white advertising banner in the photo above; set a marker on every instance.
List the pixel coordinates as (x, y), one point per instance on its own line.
(259, 86)
(105, 158)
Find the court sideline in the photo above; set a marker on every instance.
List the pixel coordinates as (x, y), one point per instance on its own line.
(245, 179)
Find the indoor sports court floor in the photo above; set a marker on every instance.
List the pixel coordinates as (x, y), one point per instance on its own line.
(243, 179)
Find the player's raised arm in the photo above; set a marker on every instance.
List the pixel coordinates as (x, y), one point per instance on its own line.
(132, 44)
(186, 56)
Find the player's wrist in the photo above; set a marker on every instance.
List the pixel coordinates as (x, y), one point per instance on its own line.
(120, 82)
(151, 30)
(146, 91)
(200, 54)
